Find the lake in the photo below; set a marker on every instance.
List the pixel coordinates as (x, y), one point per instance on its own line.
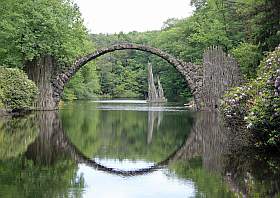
(128, 148)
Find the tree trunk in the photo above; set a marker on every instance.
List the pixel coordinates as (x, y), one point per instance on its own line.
(41, 71)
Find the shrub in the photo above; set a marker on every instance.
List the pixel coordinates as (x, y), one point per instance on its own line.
(256, 105)
(17, 92)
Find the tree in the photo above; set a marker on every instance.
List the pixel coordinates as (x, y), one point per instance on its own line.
(42, 37)
(261, 20)
(198, 3)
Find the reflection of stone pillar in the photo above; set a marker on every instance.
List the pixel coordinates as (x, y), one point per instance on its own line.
(160, 117)
(151, 120)
(152, 116)
(214, 137)
(46, 149)
(207, 139)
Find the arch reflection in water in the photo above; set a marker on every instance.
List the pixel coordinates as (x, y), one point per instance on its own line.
(195, 145)
(200, 164)
(53, 143)
(181, 187)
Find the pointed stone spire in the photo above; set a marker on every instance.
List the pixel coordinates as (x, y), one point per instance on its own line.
(160, 90)
(152, 94)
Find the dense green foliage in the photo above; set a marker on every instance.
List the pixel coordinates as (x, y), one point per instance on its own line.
(16, 90)
(248, 63)
(222, 22)
(84, 85)
(30, 30)
(257, 103)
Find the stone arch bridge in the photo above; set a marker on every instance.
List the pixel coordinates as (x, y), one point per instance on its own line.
(207, 82)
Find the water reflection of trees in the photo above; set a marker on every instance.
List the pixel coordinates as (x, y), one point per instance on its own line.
(204, 157)
(253, 174)
(29, 168)
(200, 158)
(16, 134)
(209, 157)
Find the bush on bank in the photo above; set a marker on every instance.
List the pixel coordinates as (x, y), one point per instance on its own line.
(17, 92)
(255, 106)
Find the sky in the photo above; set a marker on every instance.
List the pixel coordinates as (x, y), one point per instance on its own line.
(114, 16)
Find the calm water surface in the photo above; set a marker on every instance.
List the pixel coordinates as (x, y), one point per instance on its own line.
(128, 149)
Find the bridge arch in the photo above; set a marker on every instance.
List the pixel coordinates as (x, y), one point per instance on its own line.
(190, 71)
